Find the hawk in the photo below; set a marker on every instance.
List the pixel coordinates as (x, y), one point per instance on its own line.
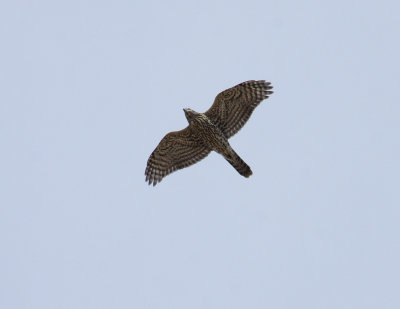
(208, 132)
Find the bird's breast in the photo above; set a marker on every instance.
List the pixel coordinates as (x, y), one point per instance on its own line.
(210, 134)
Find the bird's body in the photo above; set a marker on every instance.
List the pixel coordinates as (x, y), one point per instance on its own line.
(213, 138)
(208, 132)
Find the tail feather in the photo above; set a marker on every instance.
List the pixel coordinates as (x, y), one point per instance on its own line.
(238, 163)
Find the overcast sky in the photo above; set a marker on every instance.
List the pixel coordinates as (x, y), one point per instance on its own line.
(89, 88)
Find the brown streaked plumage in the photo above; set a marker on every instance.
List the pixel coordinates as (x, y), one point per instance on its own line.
(208, 132)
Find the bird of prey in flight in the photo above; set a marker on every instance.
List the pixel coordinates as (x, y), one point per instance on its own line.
(208, 132)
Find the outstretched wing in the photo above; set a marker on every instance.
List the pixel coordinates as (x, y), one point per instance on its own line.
(234, 106)
(175, 151)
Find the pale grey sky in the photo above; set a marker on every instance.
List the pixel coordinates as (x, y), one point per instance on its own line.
(88, 89)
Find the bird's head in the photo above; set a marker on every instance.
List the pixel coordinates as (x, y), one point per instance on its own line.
(190, 114)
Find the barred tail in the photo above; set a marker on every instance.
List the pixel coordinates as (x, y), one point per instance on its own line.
(237, 162)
